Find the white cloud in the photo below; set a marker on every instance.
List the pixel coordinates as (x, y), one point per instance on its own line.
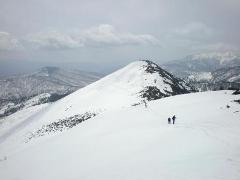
(53, 40)
(8, 42)
(102, 35)
(106, 34)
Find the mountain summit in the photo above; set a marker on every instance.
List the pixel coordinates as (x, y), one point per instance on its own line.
(138, 81)
(159, 83)
(133, 85)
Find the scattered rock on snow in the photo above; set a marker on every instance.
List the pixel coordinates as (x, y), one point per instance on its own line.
(62, 124)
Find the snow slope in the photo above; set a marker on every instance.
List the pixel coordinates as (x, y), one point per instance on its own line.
(112, 130)
(123, 88)
(10, 124)
(137, 143)
(130, 86)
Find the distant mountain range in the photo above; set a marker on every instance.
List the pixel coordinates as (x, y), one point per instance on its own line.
(208, 71)
(215, 69)
(52, 82)
(228, 74)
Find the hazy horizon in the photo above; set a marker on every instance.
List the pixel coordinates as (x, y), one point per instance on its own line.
(102, 36)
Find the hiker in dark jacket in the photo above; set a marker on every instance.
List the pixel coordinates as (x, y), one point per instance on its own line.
(169, 120)
(173, 119)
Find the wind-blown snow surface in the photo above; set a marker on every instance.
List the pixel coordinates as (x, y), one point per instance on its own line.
(137, 143)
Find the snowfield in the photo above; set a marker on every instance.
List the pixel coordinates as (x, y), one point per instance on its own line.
(137, 143)
(109, 130)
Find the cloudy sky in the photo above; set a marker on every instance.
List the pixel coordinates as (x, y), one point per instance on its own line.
(109, 33)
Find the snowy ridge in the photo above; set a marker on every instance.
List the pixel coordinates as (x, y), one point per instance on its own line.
(135, 84)
(122, 88)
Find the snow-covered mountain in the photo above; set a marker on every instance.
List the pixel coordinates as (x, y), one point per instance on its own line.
(133, 85)
(11, 107)
(201, 64)
(15, 91)
(211, 70)
(228, 74)
(46, 80)
(111, 129)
